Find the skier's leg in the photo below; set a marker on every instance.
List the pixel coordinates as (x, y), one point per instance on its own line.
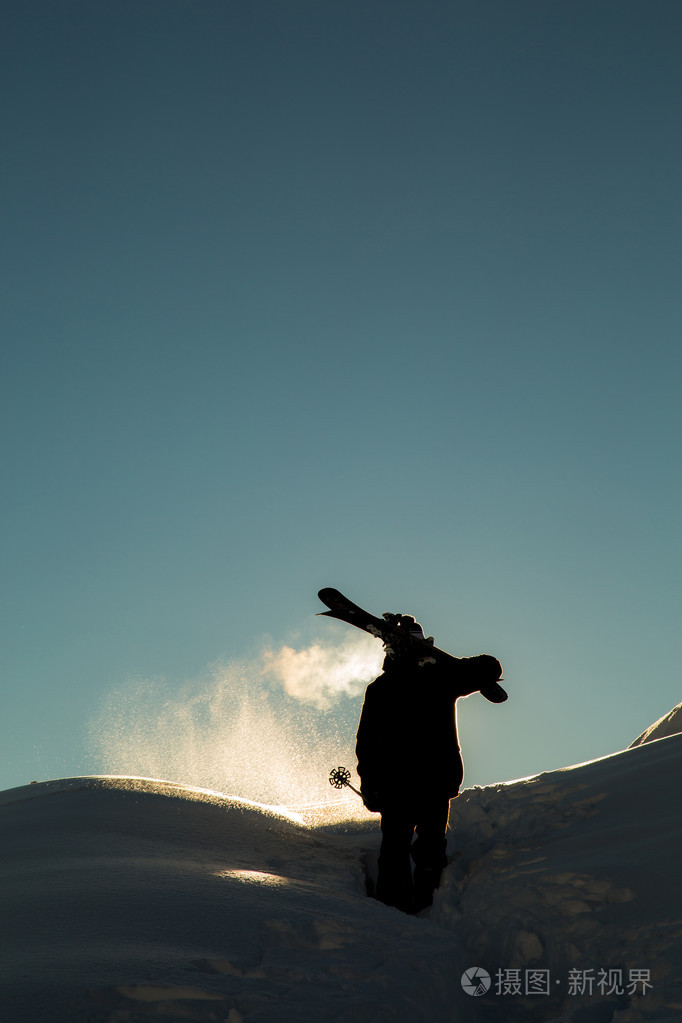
(394, 879)
(428, 851)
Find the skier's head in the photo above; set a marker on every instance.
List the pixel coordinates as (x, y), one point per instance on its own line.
(401, 651)
(406, 623)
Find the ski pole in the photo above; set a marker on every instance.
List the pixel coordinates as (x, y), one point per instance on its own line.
(339, 777)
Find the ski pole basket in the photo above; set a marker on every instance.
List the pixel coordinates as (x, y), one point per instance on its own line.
(340, 777)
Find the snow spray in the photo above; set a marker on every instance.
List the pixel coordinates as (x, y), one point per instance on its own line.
(265, 729)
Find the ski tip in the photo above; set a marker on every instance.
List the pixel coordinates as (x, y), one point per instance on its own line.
(494, 693)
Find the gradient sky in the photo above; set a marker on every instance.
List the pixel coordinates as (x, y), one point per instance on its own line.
(382, 296)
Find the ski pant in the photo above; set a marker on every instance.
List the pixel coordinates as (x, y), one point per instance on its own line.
(399, 821)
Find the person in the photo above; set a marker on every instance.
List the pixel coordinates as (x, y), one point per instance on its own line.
(409, 759)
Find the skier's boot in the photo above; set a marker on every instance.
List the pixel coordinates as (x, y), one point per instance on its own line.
(426, 880)
(394, 885)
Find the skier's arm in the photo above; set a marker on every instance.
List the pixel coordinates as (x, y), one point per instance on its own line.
(367, 750)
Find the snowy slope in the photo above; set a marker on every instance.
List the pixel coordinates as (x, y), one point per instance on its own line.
(132, 900)
(574, 870)
(126, 899)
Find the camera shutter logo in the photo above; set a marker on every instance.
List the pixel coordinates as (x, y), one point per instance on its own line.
(475, 981)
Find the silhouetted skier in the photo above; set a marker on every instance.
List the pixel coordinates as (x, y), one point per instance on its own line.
(409, 760)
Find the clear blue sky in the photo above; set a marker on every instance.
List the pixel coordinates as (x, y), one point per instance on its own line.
(382, 296)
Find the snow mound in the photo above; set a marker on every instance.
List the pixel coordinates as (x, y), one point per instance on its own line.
(669, 724)
(132, 899)
(574, 872)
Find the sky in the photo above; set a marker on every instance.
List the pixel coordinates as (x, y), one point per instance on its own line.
(380, 296)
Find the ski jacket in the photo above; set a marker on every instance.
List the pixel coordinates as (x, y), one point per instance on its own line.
(407, 745)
